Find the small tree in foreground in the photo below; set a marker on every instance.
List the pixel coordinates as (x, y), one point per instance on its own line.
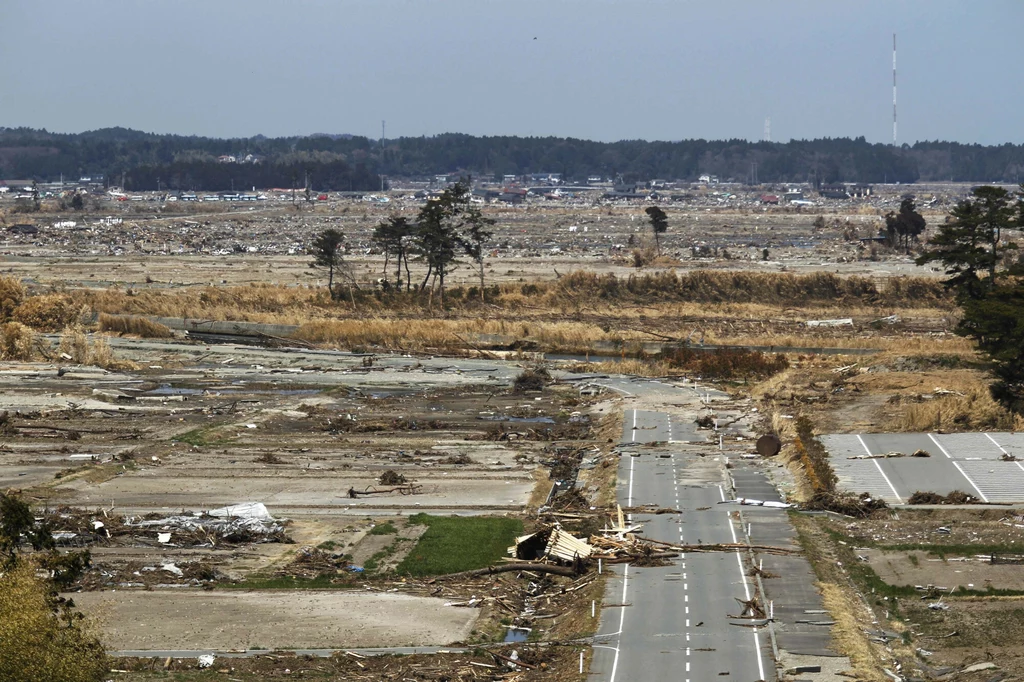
(327, 253)
(41, 636)
(659, 224)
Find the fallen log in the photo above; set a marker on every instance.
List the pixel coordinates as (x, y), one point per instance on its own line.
(404, 489)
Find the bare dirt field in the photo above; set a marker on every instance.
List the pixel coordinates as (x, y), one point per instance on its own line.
(294, 619)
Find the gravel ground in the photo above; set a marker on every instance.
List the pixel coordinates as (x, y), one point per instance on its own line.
(272, 619)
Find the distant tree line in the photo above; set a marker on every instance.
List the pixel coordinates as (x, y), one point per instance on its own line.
(341, 162)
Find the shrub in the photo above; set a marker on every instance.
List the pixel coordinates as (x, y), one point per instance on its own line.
(12, 293)
(42, 638)
(17, 342)
(726, 363)
(48, 313)
(531, 380)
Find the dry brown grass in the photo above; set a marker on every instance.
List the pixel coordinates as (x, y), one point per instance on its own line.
(102, 355)
(432, 333)
(137, 326)
(11, 295)
(17, 342)
(973, 410)
(74, 344)
(49, 312)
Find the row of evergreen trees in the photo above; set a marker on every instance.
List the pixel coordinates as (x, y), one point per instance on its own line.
(351, 162)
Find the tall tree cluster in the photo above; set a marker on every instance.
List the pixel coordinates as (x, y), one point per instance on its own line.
(446, 229)
(905, 225)
(986, 273)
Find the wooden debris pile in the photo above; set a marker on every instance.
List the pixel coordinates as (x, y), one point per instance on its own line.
(955, 497)
(857, 506)
(312, 562)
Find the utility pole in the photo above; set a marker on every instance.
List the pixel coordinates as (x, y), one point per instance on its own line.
(893, 89)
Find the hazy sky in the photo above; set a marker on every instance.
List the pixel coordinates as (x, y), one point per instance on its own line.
(597, 69)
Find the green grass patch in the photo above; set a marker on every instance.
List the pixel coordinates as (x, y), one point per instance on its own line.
(386, 528)
(459, 543)
(204, 436)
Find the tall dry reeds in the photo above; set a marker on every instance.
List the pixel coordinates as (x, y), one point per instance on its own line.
(970, 410)
(131, 324)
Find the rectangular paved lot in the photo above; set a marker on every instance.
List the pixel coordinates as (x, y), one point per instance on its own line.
(969, 462)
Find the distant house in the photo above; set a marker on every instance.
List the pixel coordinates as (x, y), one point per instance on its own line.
(769, 199)
(226, 158)
(793, 195)
(860, 190)
(834, 191)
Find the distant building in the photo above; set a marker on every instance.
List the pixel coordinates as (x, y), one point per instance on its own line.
(769, 199)
(226, 158)
(834, 191)
(793, 195)
(860, 191)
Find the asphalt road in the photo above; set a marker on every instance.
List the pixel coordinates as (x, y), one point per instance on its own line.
(672, 622)
(969, 462)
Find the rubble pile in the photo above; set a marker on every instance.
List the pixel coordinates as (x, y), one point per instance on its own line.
(136, 574)
(312, 562)
(236, 525)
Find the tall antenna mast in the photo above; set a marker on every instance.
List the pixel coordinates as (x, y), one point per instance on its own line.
(893, 89)
(767, 128)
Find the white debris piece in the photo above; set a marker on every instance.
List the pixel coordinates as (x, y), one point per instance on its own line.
(243, 510)
(758, 503)
(206, 660)
(844, 321)
(163, 537)
(171, 568)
